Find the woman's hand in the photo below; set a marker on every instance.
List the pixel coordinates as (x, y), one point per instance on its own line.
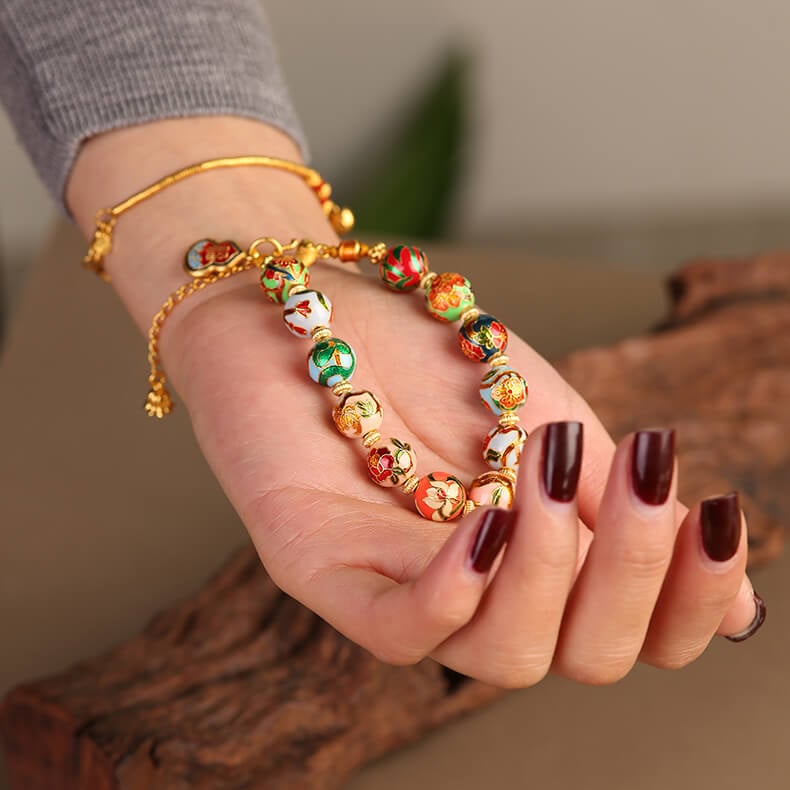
(359, 555)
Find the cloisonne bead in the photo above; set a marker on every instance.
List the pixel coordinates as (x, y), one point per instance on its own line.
(491, 488)
(402, 267)
(357, 413)
(390, 464)
(482, 337)
(305, 311)
(448, 295)
(503, 390)
(502, 446)
(331, 361)
(440, 497)
(208, 255)
(279, 276)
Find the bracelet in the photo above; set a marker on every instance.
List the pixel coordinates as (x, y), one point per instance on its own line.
(285, 275)
(342, 219)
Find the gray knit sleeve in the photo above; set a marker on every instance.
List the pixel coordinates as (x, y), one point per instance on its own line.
(70, 69)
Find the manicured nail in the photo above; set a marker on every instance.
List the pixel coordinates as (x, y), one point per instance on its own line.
(652, 464)
(754, 627)
(491, 535)
(720, 518)
(562, 459)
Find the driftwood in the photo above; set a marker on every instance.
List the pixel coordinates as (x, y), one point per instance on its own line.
(242, 687)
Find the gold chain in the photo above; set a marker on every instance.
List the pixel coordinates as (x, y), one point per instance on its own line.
(341, 219)
(159, 402)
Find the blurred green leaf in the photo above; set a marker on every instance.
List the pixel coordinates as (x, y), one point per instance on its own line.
(410, 191)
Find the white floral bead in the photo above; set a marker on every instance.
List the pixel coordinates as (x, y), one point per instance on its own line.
(502, 446)
(305, 311)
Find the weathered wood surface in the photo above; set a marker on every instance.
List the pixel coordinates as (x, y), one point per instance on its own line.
(240, 687)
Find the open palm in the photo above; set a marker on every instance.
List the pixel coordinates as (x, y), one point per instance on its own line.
(362, 557)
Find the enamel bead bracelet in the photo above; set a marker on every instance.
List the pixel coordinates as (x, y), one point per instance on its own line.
(307, 313)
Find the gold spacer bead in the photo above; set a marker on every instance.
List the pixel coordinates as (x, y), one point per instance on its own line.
(427, 279)
(321, 333)
(306, 253)
(410, 484)
(469, 315)
(498, 359)
(296, 289)
(377, 252)
(349, 250)
(342, 388)
(509, 473)
(508, 419)
(469, 506)
(370, 438)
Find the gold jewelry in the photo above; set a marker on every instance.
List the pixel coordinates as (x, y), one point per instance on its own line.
(341, 219)
(308, 313)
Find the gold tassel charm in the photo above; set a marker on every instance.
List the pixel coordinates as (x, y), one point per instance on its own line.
(158, 402)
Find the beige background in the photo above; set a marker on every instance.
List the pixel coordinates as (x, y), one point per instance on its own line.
(95, 537)
(585, 113)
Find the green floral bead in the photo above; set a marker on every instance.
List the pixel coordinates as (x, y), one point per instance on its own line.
(448, 295)
(278, 277)
(331, 361)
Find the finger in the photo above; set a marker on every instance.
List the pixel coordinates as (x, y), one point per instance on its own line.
(401, 623)
(511, 639)
(610, 606)
(701, 585)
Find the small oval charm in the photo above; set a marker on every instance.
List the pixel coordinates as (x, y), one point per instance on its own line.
(207, 256)
(440, 497)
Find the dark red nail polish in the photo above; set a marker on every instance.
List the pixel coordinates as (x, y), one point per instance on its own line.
(562, 459)
(652, 465)
(720, 519)
(492, 534)
(756, 624)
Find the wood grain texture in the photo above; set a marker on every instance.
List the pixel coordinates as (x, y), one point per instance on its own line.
(241, 687)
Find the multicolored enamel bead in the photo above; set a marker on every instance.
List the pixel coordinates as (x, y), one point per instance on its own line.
(357, 413)
(403, 267)
(305, 311)
(503, 390)
(448, 295)
(491, 488)
(482, 337)
(331, 361)
(440, 497)
(502, 446)
(391, 463)
(280, 276)
(206, 256)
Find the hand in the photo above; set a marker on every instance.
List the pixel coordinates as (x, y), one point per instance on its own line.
(358, 554)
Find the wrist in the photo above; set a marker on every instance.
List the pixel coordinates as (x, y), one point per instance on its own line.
(238, 203)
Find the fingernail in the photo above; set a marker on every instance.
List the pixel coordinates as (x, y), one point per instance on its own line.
(652, 464)
(491, 536)
(562, 459)
(720, 518)
(754, 627)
